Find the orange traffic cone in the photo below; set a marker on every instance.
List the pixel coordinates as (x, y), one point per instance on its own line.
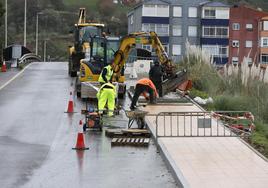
(80, 144)
(70, 108)
(4, 67)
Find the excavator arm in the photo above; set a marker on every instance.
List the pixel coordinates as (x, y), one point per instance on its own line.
(172, 78)
(145, 38)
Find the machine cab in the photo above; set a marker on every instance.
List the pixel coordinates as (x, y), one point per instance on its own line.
(101, 53)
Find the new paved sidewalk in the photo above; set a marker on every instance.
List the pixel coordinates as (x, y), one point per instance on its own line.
(208, 162)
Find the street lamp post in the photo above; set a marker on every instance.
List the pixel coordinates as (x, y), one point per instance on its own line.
(6, 24)
(36, 34)
(25, 14)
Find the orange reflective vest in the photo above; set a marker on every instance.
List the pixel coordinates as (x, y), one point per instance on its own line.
(148, 82)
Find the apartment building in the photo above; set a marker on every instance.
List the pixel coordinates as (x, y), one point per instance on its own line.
(215, 31)
(244, 34)
(175, 21)
(263, 34)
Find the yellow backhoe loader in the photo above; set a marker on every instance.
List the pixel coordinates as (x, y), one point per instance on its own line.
(90, 68)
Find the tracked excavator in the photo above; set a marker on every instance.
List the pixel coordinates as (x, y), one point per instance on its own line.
(90, 68)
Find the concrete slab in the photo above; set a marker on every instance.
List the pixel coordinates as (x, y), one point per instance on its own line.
(209, 161)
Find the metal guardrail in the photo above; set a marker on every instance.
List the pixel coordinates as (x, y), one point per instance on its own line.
(28, 57)
(204, 124)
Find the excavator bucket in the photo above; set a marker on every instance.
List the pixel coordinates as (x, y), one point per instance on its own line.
(172, 84)
(185, 86)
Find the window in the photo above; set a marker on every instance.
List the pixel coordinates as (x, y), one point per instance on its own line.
(235, 43)
(249, 27)
(177, 11)
(221, 32)
(236, 26)
(209, 13)
(222, 13)
(209, 31)
(264, 58)
(215, 32)
(192, 12)
(223, 51)
(210, 49)
(147, 47)
(215, 50)
(162, 29)
(248, 60)
(176, 49)
(235, 60)
(162, 11)
(192, 31)
(248, 44)
(176, 30)
(148, 27)
(149, 10)
(264, 42)
(265, 25)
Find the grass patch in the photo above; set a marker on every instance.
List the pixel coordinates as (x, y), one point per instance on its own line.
(260, 142)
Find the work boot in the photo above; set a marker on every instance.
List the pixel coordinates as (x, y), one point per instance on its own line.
(133, 108)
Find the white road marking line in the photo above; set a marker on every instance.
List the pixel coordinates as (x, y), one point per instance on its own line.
(9, 81)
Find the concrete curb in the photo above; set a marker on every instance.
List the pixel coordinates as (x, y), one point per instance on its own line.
(175, 171)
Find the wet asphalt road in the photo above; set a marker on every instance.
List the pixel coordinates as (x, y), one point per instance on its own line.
(5, 76)
(36, 140)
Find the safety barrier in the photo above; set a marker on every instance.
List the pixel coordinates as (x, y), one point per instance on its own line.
(204, 124)
(132, 58)
(28, 57)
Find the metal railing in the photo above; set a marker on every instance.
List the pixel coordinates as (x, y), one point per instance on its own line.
(29, 57)
(204, 124)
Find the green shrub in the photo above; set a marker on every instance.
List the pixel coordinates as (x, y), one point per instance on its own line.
(197, 93)
(260, 142)
(230, 103)
(262, 128)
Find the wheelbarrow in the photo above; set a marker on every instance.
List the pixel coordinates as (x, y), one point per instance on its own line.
(136, 115)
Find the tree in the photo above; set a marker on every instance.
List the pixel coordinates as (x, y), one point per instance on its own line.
(58, 4)
(2, 11)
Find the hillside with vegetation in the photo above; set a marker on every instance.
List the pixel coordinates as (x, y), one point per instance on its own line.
(56, 19)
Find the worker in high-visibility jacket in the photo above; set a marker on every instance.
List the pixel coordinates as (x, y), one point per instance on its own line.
(106, 94)
(106, 74)
(144, 86)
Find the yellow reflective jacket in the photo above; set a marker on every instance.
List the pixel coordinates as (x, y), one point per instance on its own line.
(108, 74)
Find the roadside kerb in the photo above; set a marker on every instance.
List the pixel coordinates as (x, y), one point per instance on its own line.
(175, 171)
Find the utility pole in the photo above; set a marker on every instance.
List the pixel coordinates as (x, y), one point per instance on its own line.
(5, 23)
(45, 50)
(36, 36)
(25, 22)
